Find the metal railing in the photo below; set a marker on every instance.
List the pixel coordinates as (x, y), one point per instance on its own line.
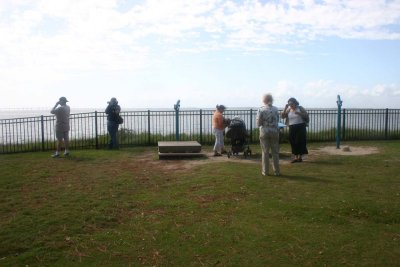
(147, 127)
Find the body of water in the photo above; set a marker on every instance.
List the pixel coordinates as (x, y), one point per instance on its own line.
(36, 112)
(26, 125)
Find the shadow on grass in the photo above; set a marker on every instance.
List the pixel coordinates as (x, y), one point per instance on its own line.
(76, 158)
(189, 157)
(305, 179)
(329, 162)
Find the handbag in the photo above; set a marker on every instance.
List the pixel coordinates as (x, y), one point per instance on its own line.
(120, 120)
(305, 115)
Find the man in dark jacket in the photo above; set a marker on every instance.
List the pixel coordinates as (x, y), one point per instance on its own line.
(112, 111)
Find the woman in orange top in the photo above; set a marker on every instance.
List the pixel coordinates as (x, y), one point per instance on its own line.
(218, 126)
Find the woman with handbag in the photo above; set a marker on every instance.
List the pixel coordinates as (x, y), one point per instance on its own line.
(113, 121)
(297, 118)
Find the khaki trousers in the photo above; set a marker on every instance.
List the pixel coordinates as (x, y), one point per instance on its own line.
(269, 141)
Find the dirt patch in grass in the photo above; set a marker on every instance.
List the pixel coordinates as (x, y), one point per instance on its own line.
(346, 150)
(187, 163)
(175, 164)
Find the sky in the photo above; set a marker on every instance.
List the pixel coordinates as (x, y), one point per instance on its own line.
(151, 53)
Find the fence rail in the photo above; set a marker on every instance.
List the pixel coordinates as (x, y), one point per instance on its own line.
(147, 127)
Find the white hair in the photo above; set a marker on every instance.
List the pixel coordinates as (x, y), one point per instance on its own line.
(268, 99)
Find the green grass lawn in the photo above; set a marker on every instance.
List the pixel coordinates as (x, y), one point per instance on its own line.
(128, 208)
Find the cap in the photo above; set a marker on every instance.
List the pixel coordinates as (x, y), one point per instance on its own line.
(63, 99)
(113, 100)
(221, 107)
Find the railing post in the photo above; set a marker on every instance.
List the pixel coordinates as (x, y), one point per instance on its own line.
(201, 126)
(148, 127)
(386, 123)
(339, 104)
(176, 107)
(96, 131)
(251, 125)
(344, 125)
(42, 126)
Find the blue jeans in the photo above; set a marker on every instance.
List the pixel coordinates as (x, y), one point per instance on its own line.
(219, 140)
(112, 128)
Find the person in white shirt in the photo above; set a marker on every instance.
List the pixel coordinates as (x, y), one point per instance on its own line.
(295, 116)
(62, 128)
(267, 121)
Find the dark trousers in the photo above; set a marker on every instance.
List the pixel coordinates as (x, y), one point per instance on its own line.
(112, 128)
(298, 139)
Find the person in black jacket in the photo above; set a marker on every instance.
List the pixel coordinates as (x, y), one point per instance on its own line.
(112, 111)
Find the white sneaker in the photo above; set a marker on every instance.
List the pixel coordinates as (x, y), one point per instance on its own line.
(55, 155)
(66, 154)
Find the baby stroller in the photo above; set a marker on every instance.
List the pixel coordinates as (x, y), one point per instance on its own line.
(238, 135)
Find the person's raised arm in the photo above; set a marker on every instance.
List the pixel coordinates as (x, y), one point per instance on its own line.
(284, 113)
(53, 110)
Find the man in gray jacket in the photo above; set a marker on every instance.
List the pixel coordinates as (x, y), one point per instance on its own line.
(62, 125)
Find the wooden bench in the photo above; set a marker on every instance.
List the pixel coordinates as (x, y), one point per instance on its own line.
(179, 149)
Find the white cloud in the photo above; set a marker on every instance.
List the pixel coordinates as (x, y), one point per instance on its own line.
(45, 41)
(94, 32)
(388, 90)
(323, 94)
